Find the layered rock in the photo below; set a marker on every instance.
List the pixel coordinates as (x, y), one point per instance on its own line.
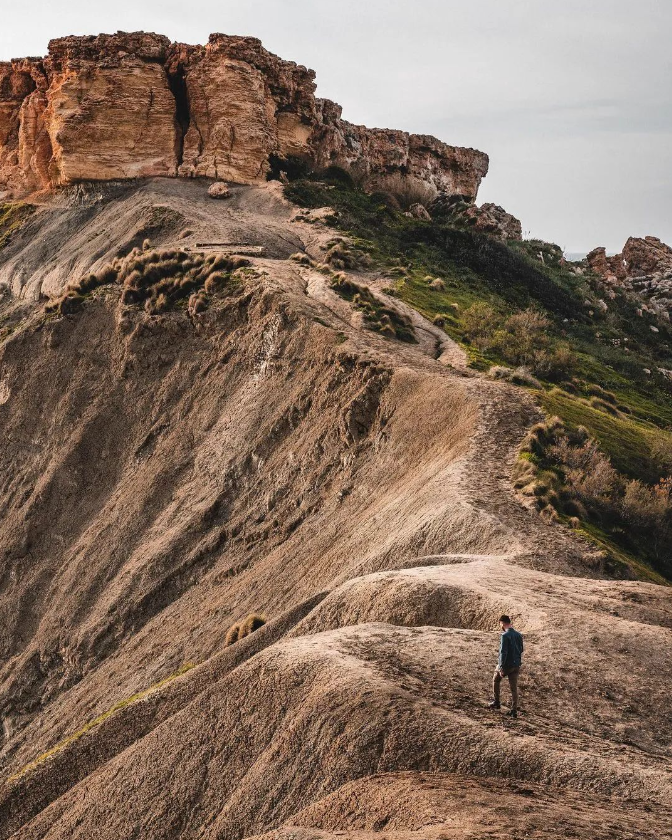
(644, 267)
(134, 105)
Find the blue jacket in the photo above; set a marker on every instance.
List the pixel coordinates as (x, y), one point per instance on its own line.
(510, 650)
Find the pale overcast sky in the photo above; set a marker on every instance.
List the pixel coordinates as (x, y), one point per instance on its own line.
(572, 99)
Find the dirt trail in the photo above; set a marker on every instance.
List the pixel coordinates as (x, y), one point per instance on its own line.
(163, 476)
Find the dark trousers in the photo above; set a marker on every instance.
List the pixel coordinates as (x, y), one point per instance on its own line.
(512, 676)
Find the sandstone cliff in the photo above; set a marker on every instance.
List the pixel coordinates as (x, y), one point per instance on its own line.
(134, 105)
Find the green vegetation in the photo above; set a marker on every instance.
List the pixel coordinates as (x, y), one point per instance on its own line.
(568, 475)
(98, 720)
(588, 352)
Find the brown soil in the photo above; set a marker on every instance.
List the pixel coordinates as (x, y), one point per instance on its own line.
(163, 476)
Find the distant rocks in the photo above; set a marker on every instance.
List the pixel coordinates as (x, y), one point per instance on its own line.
(644, 267)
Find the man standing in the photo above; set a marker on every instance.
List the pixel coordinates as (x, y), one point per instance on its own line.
(508, 665)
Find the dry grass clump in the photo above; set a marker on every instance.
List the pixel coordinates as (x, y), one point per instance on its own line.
(437, 285)
(341, 255)
(156, 280)
(244, 628)
(406, 190)
(302, 259)
(377, 316)
(518, 376)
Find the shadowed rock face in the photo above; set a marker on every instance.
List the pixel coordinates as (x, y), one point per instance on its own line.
(134, 105)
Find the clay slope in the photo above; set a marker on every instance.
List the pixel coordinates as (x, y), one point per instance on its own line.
(164, 475)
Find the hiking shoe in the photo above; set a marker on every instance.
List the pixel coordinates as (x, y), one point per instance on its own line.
(494, 705)
(513, 713)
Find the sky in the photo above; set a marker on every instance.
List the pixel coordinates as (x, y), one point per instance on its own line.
(572, 100)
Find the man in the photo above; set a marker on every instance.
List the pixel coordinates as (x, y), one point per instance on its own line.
(508, 665)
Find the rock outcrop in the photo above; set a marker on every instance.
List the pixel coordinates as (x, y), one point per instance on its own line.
(644, 267)
(134, 105)
(488, 218)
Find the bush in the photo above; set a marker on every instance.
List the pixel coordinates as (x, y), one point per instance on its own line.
(479, 323)
(253, 622)
(519, 376)
(566, 469)
(522, 339)
(342, 255)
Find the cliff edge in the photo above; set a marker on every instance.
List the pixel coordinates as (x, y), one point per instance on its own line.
(135, 105)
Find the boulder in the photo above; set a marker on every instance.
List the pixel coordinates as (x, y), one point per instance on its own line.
(219, 190)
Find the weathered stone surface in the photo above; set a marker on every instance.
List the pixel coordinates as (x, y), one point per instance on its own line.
(133, 105)
(219, 190)
(110, 111)
(373, 151)
(643, 267)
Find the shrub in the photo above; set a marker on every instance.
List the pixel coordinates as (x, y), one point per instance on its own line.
(244, 628)
(302, 259)
(519, 376)
(649, 511)
(661, 450)
(437, 285)
(522, 339)
(250, 624)
(479, 322)
(342, 254)
(232, 635)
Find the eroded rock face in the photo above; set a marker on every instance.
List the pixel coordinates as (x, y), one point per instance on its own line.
(134, 105)
(644, 267)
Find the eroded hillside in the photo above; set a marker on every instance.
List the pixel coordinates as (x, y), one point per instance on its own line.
(166, 471)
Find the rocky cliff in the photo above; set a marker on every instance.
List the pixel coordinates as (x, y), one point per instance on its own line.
(644, 267)
(134, 105)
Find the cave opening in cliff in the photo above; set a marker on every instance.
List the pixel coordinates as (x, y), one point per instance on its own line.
(178, 86)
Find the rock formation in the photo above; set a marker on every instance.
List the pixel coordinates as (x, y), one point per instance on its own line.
(643, 267)
(488, 218)
(134, 105)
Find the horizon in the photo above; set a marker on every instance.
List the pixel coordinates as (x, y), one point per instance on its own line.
(589, 166)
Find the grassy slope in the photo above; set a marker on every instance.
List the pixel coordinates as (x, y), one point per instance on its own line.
(613, 348)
